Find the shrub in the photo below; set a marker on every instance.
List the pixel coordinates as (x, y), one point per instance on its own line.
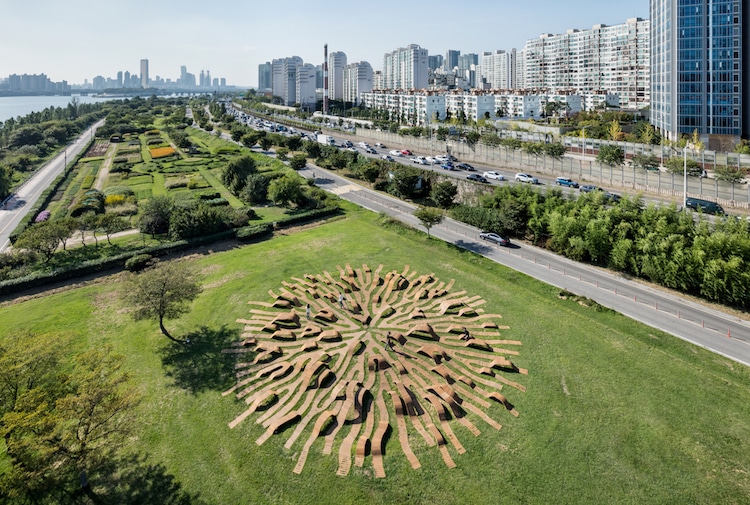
(208, 195)
(88, 181)
(126, 209)
(120, 159)
(42, 216)
(216, 202)
(176, 183)
(248, 233)
(138, 262)
(162, 152)
(119, 190)
(114, 200)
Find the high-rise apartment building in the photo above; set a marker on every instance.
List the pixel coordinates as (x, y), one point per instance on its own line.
(357, 80)
(498, 69)
(435, 62)
(306, 86)
(336, 66)
(700, 69)
(144, 73)
(613, 58)
(405, 68)
(264, 76)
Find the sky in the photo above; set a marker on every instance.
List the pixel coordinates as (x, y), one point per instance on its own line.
(76, 40)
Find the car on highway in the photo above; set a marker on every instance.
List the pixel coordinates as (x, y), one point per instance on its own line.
(432, 161)
(494, 237)
(587, 188)
(612, 197)
(521, 177)
(380, 145)
(370, 150)
(465, 166)
(387, 157)
(566, 181)
(419, 160)
(448, 166)
(406, 152)
(396, 153)
(494, 175)
(705, 206)
(477, 178)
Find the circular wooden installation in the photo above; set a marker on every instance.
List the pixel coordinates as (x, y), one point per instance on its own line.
(353, 357)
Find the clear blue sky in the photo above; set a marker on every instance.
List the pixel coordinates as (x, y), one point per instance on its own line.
(79, 39)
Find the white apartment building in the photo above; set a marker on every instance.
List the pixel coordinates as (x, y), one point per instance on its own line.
(613, 58)
(307, 96)
(470, 106)
(289, 67)
(498, 69)
(336, 67)
(357, 80)
(405, 68)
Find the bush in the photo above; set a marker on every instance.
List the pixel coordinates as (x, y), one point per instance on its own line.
(114, 200)
(138, 262)
(176, 183)
(248, 233)
(88, 181)
(119, 190)
(120, 159)
(208, 195)
(216, 202)
(126, 209)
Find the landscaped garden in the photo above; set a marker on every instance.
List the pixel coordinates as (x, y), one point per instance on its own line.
(612, 412)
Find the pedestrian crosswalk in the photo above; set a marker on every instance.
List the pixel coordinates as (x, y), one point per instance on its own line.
(348, 188)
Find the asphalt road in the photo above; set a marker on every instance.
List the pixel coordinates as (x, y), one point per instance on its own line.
(711, 329)
(26, 196)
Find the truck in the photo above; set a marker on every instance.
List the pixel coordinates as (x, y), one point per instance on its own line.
(326, 140)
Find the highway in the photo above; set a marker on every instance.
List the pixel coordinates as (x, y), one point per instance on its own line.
(711, 329)
(21, 202)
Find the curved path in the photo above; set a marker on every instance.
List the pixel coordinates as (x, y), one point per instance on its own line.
(714, 330)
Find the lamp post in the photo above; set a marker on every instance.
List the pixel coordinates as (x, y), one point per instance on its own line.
(583, 136)
(684, 177)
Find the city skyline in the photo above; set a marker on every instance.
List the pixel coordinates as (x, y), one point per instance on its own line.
(230, 40)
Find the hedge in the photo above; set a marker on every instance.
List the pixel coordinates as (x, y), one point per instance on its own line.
(307, 216)
(252, 232)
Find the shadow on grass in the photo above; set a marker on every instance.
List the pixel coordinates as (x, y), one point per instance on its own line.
(200, 365)
(133, 480)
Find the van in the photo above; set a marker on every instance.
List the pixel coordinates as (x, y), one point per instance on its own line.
(704, 206)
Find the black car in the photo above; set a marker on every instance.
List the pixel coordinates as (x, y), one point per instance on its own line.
(465, 166)
(477, 178)
(705, 206)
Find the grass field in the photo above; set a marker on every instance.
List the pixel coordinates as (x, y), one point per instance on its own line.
(614, 411)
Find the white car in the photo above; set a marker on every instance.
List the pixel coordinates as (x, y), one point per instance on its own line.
(396, 153)
(521, 177)
(420, 160)
(380, 145)
(387, 157)
(432, 161)
(494, 175)
(442, 159)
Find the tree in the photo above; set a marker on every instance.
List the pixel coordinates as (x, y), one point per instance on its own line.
(255, 190)
(265, 143)
(294, 143)
(156, 215)
(472, 138)
(648, 162)
(111, 224)
(285, 190)
(237, 171)
(58, 420)
(89, 221)
(443, 194)
(610, 155)
(614, 131)
(42, 238)
(298, 161)
(429, 217)
(162, 292)
(729, 174)
(5, 182)
(676, 165)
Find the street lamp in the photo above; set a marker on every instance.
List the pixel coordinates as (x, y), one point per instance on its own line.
(583, 136)
(684, 177)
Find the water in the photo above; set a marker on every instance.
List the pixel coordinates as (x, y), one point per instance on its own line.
(14, 106)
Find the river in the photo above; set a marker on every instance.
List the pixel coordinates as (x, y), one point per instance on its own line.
(14, 106)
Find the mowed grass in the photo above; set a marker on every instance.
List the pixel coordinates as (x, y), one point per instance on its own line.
(614, 412)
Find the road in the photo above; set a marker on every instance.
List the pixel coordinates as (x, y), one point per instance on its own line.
(26, 196)
(703, 326)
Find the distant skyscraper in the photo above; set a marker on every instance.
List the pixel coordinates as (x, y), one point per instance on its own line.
(336, 66)
(119, 79)
(264, 76)
(144, 73)
(451, 60)
(126, 79)
(435, 62)
(357, 80)
(700, 69)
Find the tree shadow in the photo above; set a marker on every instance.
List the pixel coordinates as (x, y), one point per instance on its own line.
(200, 365)
(133, 480)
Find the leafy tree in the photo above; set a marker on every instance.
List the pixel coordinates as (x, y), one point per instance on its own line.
(554, 150)
(265, 143)
(614, 131)
(676, 165)
(255, 190)
(298, 161)
(472, 138)
(162, 292)
(42, 238)
(235, 174)
(294, 143)
(281, 153)
(111, 224)
(156, 215)
(646, 161)
(312, 149)
(286, 190)
(443, 194)
(429, 217)
(610, 155)
(6, 182)
(729, 174)
(58, 420)
(407, 182)
(89, 221)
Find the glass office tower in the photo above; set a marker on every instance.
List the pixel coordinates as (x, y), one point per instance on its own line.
(699, 75)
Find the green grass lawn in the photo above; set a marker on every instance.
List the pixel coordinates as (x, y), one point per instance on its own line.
(614, 412)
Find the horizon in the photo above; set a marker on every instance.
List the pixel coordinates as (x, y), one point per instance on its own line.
(214, 40)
